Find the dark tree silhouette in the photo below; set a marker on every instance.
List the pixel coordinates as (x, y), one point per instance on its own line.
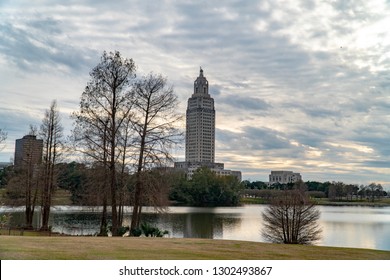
(51, 132)
(154, 121)
(3, 137)
(291, 218)
(105, 107)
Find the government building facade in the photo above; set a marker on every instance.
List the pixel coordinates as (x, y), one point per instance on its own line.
(200, 132)
(284, 177)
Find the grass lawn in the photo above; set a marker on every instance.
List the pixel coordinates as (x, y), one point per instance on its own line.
(115, 248)
(381, 202)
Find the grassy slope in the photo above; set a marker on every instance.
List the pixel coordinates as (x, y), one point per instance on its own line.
(94, 248)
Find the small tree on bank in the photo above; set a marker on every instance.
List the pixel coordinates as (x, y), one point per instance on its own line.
(291, 218)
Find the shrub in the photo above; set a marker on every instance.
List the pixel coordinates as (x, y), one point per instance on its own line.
(135, 232)
(151, 231)
(291, 218)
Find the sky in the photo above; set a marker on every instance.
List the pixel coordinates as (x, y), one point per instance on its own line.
(298, 85)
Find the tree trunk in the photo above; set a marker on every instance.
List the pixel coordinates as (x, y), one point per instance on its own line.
(135, 219)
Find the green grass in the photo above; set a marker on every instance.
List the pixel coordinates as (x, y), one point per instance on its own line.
(22, 232)
(60, 197)
(376, 202)
(96, 248)
(326, 201)
(252, 200)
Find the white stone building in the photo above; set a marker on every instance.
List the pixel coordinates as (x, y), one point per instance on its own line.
(284, 177)
(200, 123)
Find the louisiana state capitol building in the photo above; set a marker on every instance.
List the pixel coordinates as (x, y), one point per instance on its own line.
(200, 123)
(200, 132)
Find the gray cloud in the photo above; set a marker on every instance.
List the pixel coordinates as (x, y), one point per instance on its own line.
(299, 85)
(253, 139)
(242, 102)
(34, 46)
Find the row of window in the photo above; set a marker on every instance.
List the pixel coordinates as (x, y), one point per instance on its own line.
(281, 179)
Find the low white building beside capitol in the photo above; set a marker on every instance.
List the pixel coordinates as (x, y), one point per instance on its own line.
(284, 177)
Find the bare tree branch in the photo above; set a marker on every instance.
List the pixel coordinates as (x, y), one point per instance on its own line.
(104, 108)
(154, 119)
(291, 218)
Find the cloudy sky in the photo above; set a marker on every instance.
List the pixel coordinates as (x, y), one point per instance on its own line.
(298, 85)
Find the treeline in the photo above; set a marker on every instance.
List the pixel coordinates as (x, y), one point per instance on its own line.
(163, 186)
(84, 183)
(205, 188)
(335, 191)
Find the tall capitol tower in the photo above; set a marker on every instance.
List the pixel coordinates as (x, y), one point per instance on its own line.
(200, 123)
(200, 132)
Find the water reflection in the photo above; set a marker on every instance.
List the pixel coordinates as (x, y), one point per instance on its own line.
(360, 227)
(363, 227)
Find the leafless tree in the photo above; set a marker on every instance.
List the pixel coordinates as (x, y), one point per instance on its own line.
(336, 190)
(105, 104)
(374, 190)
(291, 218)
(124, 164)
(90, 137)
(3, 137)
(349, 190)
(30, 177)
(51, 132)
(155, 122)
(156, 183)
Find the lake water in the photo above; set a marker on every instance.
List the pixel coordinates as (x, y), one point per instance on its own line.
(349, 226)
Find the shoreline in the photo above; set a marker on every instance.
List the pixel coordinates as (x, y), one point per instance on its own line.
(319, 203)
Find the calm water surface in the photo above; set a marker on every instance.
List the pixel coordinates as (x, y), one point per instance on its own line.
(349, 226)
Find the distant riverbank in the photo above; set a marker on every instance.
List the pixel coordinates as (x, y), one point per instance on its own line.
(326, 202)
(62, 197)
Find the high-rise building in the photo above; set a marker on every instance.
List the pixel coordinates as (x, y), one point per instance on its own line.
(200, 123)
(200, 132)
(28, 151)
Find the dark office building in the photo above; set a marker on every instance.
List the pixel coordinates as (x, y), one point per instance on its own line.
(28, 151)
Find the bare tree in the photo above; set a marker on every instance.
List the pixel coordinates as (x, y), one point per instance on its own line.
(31, 178)
(157, 184)
(125, 146)
(105, 104)
(3, 137)
(374, 190)
(51, 132)
(336, 190)
(155, 123)
(90, 137)
(291, 218)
